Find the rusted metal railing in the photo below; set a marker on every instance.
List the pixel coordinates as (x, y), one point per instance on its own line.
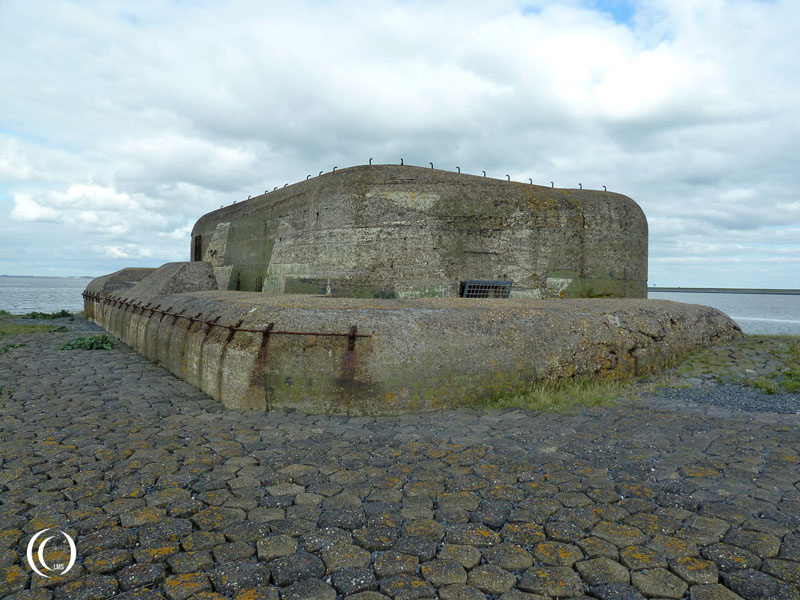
(269, 330)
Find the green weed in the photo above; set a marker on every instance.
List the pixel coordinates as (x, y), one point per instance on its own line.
(54, 315)
(766, 386)
(6, 347)
(94, 342)
(791, 381)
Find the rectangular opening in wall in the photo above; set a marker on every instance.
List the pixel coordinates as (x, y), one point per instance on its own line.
(477, 288)
(197, 248)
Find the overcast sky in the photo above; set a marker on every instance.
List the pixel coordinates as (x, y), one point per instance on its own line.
(121, 123)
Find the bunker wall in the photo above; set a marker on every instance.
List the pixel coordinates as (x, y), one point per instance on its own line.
(254, 351)
(404, 232)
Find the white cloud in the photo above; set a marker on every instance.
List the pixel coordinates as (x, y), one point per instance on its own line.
(97, 209)
(124, 251)
(27, 209)
(180, 233)
(13, 165)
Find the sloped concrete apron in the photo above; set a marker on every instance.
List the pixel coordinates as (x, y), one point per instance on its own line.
(347, 355)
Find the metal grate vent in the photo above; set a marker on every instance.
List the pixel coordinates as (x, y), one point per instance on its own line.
(475, 288)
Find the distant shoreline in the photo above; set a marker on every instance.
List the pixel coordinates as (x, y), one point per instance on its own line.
(693, 290)
(52, 276)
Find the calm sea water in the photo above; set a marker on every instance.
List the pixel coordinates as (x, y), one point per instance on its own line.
(19, 295)
(774, 314)
(755, 313)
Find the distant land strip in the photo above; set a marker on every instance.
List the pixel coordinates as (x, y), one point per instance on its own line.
(723, 290)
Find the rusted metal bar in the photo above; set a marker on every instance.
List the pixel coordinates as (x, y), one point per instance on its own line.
(210, 324)
(233, 329)
(265, 334)
(351, 338)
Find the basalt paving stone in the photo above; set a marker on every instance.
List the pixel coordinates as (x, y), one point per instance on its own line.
(368, 596)
(559, 582)
(672, 547)
(594, 547)
(345, 555)
(38, 594)
(296, 567)
(140, 575)
(349, 581)
(424, 549)
(460, 591)
(730, 558)
(510, 557)
(234, 551)
(230, 578)
(91, 587)
(786, 570)
(755, 585)
(557, 554)
(491, 579)
(389, 564)
(190, 562)
(638, 558)
(616, 591)
(376, 537)
(309, 589)
(602, 571)
(520, 595)
(467, 556)
(164, 490)
(658, 583)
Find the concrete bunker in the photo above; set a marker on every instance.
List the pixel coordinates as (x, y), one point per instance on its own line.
(361, 274)
(388, 231)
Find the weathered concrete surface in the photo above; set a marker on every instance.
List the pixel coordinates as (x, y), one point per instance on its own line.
(124, 279)
(420, 354)
(389, 231)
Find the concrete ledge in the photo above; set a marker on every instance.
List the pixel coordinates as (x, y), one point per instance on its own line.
(420, 354)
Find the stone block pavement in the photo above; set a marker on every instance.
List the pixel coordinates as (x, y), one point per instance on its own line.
(168, 495)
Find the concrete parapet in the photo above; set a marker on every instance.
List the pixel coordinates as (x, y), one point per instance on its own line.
(371, 356)
(118, 281)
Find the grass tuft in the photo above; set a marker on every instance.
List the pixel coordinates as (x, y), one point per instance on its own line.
(765, 385)
(11, 325)
(793, 352)
(791, 381)
(560, 396)
(6, 347)
(94, 342)
(10, 328)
